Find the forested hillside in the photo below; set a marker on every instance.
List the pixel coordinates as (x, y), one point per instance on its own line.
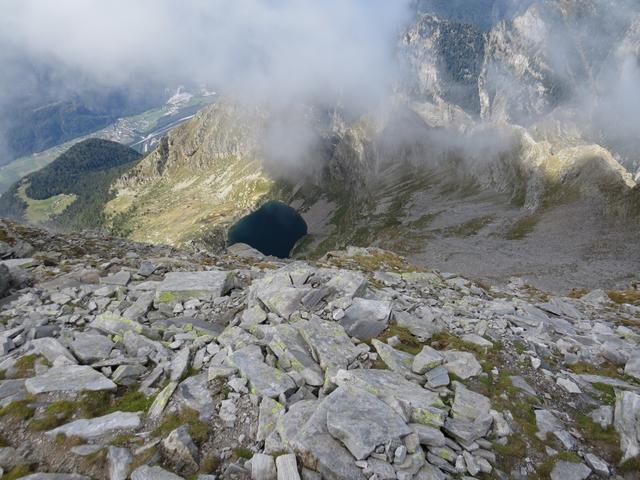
(71, 191)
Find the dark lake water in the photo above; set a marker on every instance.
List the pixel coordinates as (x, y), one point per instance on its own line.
(273, 229)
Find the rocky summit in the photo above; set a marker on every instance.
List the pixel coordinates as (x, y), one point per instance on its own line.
(128, 360)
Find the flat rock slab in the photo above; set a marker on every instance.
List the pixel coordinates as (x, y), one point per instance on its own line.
(570, 471)
(180, 286)
(422, 406)
(469, 405)
(69, 378)
(264, 379)
(114, 324)
(422, 323)
(120, 279)
(51, 349)
(145, 472)
(98, 427)
(362, 422)
(366, 319)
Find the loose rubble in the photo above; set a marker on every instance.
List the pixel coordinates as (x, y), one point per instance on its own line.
(124, 360)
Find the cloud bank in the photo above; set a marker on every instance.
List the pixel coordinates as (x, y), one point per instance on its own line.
(262, 49)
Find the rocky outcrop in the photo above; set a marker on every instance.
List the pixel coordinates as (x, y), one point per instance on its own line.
(457, 379)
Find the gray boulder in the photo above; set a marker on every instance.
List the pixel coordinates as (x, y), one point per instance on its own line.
(91, 347)
(570, 471)
(265, 380)
(366, 319)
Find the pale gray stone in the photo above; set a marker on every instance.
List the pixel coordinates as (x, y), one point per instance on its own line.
(329, 344)
(426, 360)
(568, 385)
(570, 471)
(69, 378)
(421, 323)
(263, 467)
(145, 472)
(114, 324)
(395, 360)
(305, 430)
(438, 377)
(265, 380)
(365, 319)
(180, 286)
(462, 364)
(429, 436)
(97, 427)
(293, 354)
(597, 464)
(54, 476)
(194, 393)
(546, 423)
(179, 365)
(477, 340)
(91, 347)
(521, 384)
(120, 460)
(632, 368)
(268, 416)
(408, 399)
(603, 416)
(469, 405)
(287, 467)
(121, 279)
(362, 422)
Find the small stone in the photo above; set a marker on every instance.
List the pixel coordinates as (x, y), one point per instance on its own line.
(400, 455)
(597, 464)
(145, 472)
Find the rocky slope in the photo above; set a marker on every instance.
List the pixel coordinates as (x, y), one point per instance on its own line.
(123, 358)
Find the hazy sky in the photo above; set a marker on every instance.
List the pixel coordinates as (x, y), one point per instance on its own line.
(263, 48)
